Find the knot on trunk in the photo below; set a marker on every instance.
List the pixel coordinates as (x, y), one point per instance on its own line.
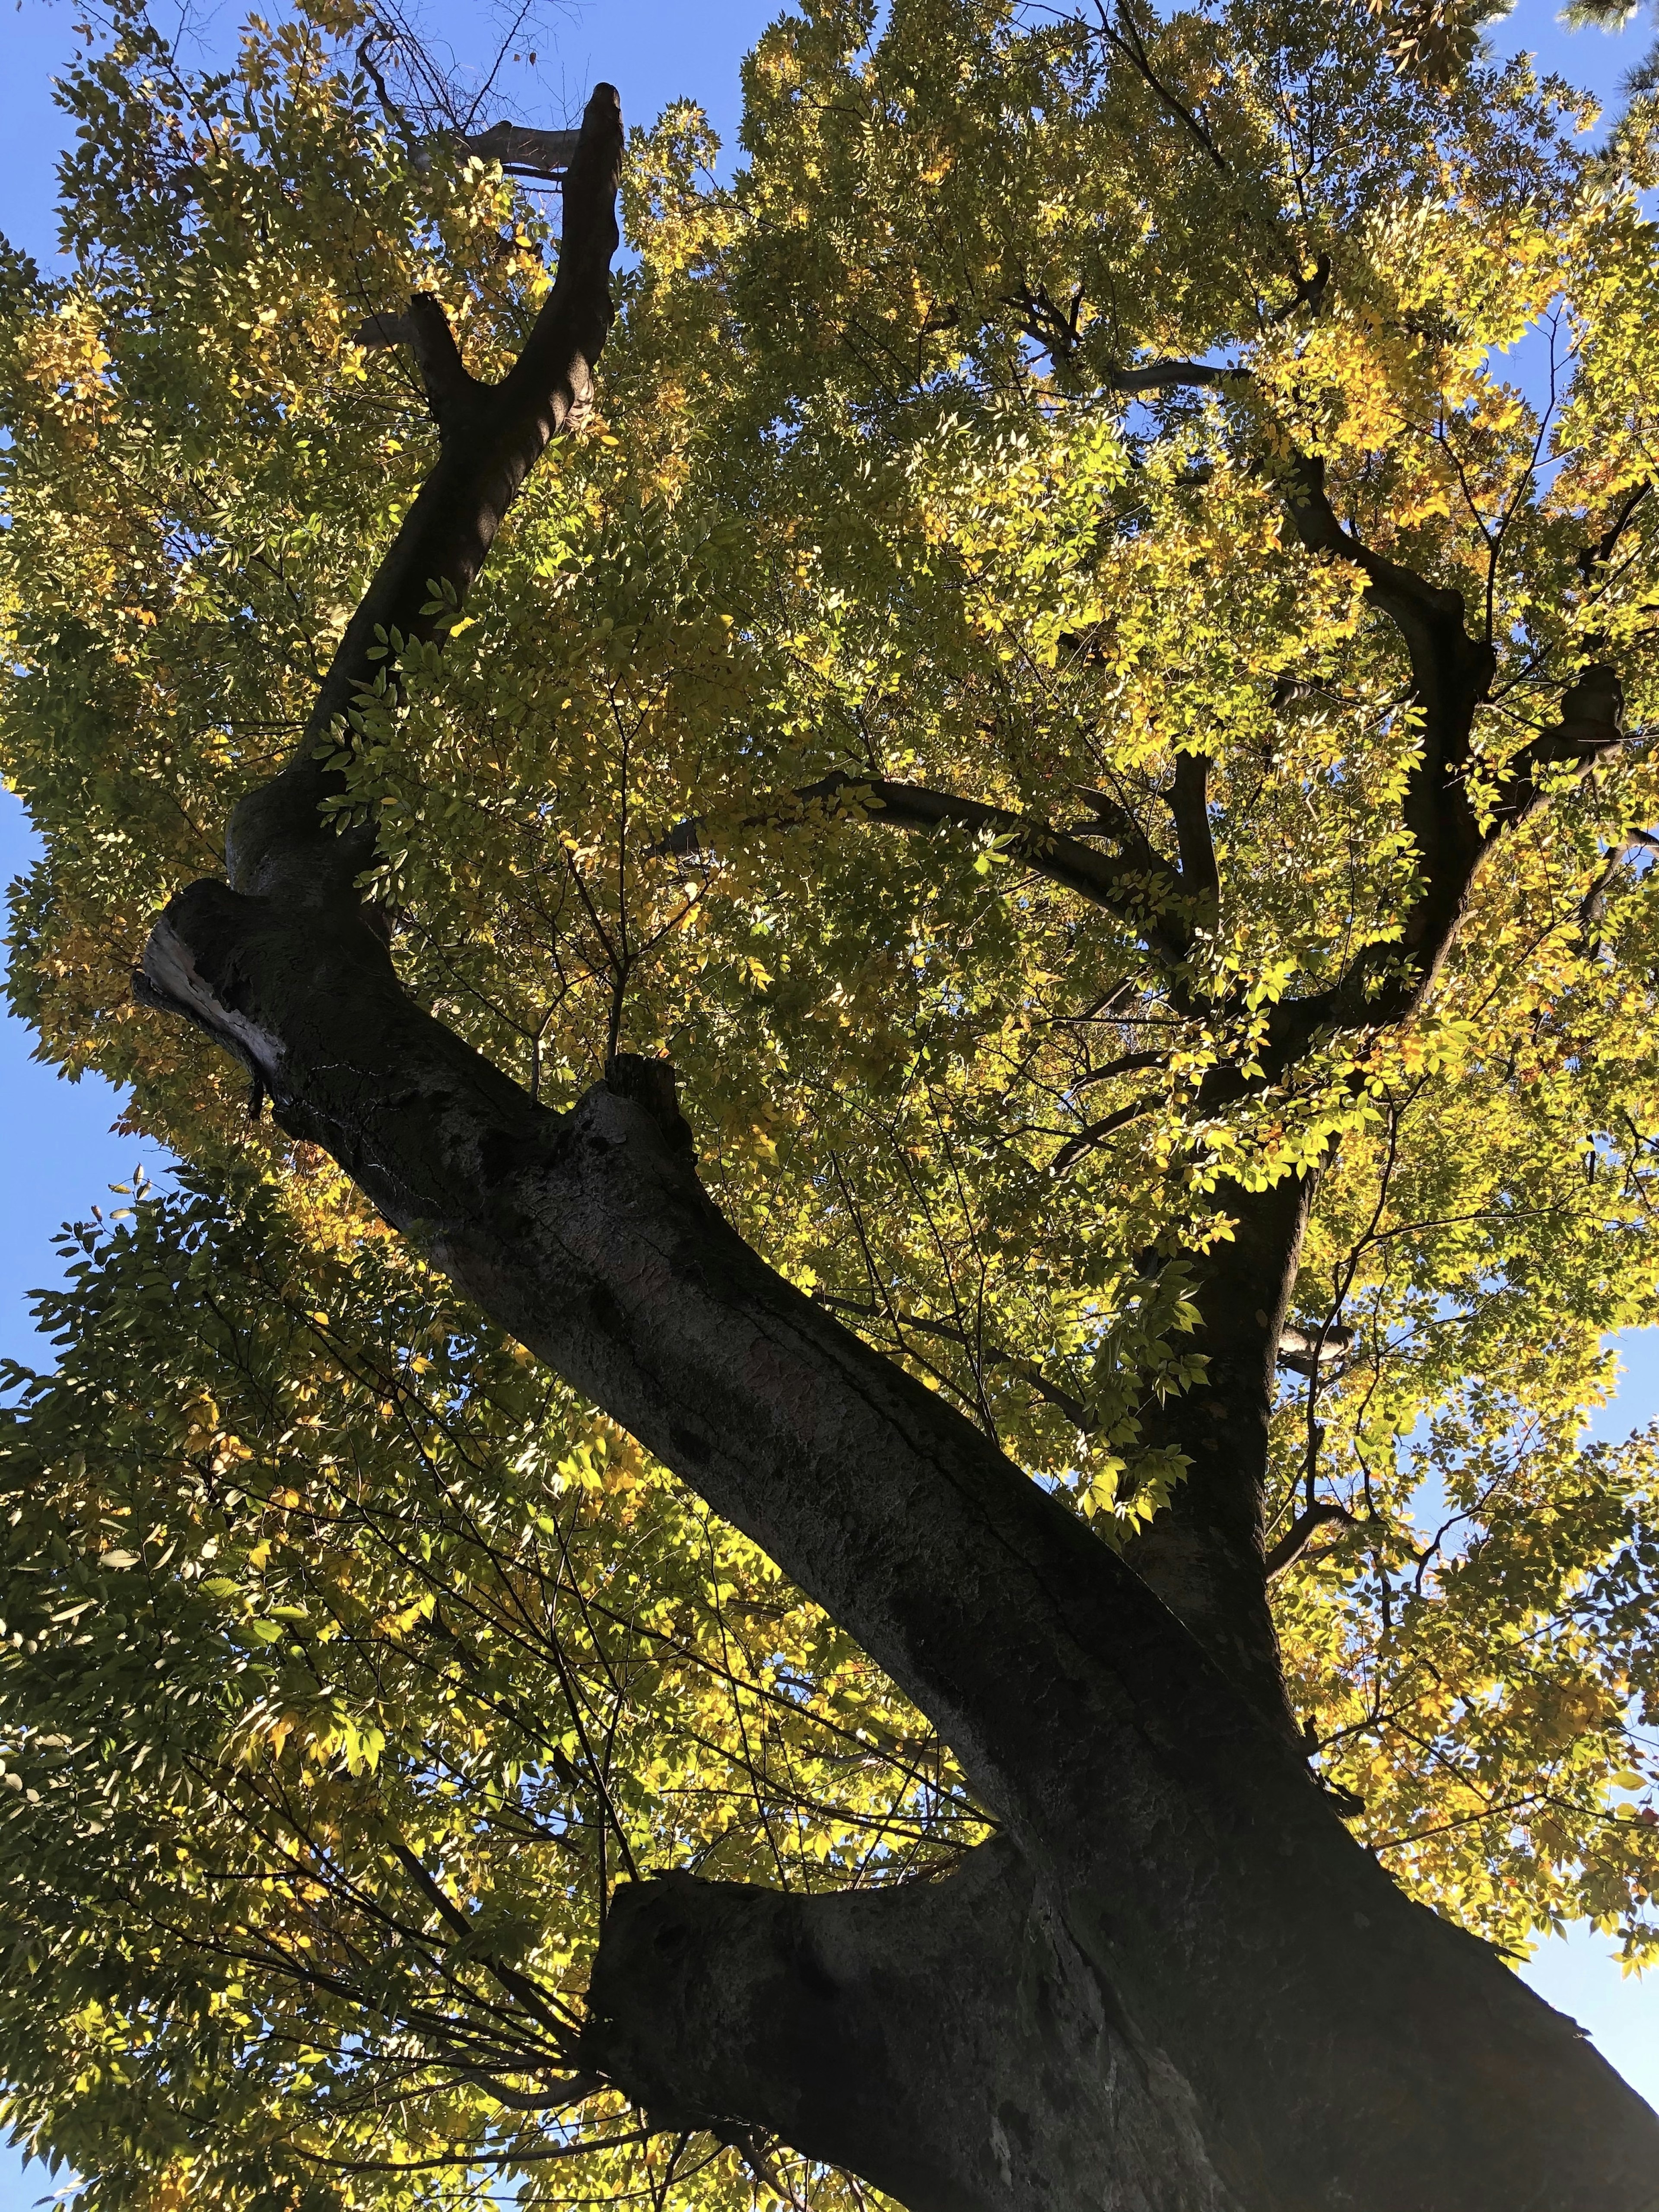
(945, 2039)
(654, 1084)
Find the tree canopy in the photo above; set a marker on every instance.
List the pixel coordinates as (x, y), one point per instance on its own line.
(976, 688)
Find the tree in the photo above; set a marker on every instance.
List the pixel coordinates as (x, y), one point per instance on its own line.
(1055, 695)
(1641, 83)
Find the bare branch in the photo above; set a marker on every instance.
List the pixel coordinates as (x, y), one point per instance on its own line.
(1085, 1141)
(1129, 1063)
(523, 152)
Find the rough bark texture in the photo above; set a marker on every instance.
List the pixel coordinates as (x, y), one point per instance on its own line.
(1173, 1982)
(949, 2033)
(1337, 2045)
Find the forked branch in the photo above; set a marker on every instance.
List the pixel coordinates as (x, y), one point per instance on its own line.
(493, 436)
(1301, 1533)
(1450, 669)
(423, 327)
(1451, 674)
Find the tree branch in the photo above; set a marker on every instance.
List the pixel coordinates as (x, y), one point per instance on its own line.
(1128, 1063)
(1203, 1554)
(1586, 734)
(1160, 375)
(523, 152)
(277, 839)
(424, 328)
(1306, 1353)
(1188, 802)
(520, 1986)
(1601, 550)
(1309, 291)
(1137, 889)
(1450, 669)
(1086, 1139)
(1451, 673)
(1301, 1533)
(1131, 46)
(954, 1995)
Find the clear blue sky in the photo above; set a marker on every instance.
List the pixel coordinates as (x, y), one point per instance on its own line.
(55, 1138)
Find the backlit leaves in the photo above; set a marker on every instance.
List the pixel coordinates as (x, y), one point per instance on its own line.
(319, 1597)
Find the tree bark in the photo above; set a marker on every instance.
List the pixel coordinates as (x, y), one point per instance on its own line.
(1203, 1554)
(1174, 1982)
(953, 2043)
(1333, 2043)
(945, 2039)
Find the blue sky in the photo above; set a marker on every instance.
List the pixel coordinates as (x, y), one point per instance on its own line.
(55, 1137)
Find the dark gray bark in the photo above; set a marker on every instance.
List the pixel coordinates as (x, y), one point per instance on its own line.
(1173, 1982)
(1338, 2045)
(947, 2040)
(954, 2044)
(1203, 1554)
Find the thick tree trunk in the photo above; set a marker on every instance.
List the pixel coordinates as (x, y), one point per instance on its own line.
(947, 2040)
(953, 2043)
(1301, 2034)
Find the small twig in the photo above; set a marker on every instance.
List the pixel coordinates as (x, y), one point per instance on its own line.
(1129, 44)
(1302, 1532)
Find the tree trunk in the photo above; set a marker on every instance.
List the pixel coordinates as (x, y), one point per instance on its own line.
(945, 2039)
(953, 2043)
(1241, 2008)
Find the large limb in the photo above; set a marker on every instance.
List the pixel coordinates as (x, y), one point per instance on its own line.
(1451, 673)
(953, 2043)
(945, 2039)
(523, 152)
(1204, 1554)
